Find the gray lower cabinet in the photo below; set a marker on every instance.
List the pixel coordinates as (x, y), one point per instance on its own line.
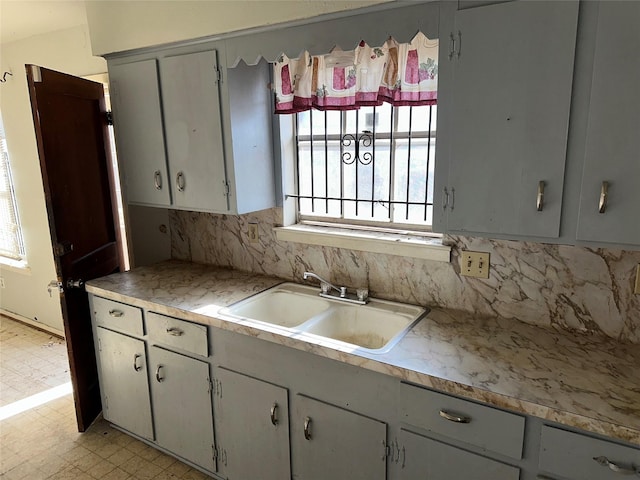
(123, 382)
(610, 195)
(422, 458)
(252, 427)
(182, 408)
(331, 442)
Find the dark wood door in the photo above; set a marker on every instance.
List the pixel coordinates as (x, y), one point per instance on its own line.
(70, 120)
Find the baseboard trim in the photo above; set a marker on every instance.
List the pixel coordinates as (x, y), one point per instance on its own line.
(32, 323)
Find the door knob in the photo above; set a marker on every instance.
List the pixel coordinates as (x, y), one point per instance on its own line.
(75, 283)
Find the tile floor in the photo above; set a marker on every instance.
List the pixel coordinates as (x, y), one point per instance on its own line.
(43, 442)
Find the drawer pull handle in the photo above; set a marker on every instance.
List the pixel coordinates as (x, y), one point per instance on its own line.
(135, 362)
(604, 193)
(605, 462)
(307, 428)
(157, 180)
(158, 377)
(274, 416)
(540, 197)
(454, 418)
(116, 313)
(176, 332)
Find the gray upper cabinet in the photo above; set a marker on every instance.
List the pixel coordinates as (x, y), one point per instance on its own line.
(138, 125)
(504, 117)
(194, 131)
(609, 211)
(192, 134)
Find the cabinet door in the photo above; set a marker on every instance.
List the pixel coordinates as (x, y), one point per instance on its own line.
(612, 149)
(252, 428)
(182, 409)
(422, 458)
(330, 442)
(193, 129)
(139, 135)
(512, 82)
(124, 382)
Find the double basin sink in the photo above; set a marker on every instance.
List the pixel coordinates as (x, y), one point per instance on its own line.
(375, 327)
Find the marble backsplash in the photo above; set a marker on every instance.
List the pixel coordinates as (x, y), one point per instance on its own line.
(577, 288)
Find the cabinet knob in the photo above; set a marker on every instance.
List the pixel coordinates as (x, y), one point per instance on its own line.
(307, 428)
(157, 180)
(604, 192)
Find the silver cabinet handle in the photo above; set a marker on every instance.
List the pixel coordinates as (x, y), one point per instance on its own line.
(274, 416)
(604, 192)
(605, 462)
(176, 332)
(180, 183)
(157, 180)
(307, 428)
(445, 198)
(540, 196)
(454, 418)
(116, 313)
(135, 362)
(158, 377)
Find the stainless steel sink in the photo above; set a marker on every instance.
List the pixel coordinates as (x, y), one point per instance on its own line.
(375, 327)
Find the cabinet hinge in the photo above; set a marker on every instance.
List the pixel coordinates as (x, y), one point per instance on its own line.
(210, 388)
(218, 74)
(214, 452)
(226, 188)
(100, 346)
(453, 42)
(109, 116)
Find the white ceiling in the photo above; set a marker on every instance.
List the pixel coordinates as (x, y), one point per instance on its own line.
(21, 19)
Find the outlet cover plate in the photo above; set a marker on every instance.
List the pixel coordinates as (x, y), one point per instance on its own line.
(474, 264)
(637, 289)
(253, 233)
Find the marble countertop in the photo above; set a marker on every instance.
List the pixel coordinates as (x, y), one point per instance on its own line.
(581, 381)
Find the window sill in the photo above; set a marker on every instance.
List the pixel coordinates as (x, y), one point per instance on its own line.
(17, 266)
(404, 245)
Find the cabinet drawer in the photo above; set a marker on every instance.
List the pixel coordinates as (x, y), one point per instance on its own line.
(180, 334)
(118, 316)
(573, 455)
(469, 422)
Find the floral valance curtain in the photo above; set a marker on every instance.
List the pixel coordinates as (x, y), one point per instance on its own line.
(396, 73)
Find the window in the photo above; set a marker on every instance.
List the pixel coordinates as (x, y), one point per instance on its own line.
(11, 243)
(372, 166)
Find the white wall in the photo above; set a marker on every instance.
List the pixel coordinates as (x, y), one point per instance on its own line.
(67, 51)
(118, 26)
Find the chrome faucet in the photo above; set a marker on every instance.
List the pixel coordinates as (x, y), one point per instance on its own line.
(361, 298)
(324, 285)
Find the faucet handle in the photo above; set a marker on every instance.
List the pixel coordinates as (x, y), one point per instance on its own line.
(343, 292)
(362, 294)
(325, 288)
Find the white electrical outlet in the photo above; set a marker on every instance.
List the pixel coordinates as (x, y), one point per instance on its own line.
(635, 290)
(252, 233)
(474, 264)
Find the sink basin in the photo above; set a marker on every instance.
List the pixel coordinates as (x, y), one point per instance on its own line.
(375, 327)
(365, 326)
(286, 305)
